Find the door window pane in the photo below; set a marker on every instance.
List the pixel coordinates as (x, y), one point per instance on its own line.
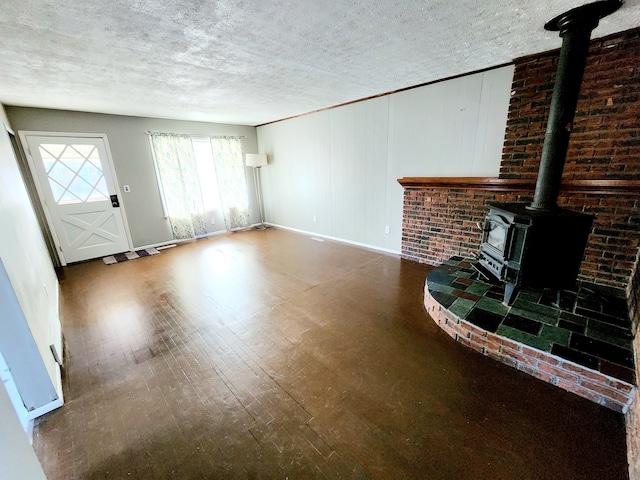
(74, 172)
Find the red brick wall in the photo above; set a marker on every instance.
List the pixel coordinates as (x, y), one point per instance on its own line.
(633, 416)
(633, 295)
(439, 223)
(605, 141)
(605, 144)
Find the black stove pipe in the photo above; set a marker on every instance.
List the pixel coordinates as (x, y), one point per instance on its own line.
(575, 27)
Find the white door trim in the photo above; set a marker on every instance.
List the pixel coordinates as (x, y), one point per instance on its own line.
(25, 146)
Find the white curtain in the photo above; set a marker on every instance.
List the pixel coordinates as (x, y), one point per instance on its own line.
(232, 182)
(178, 177)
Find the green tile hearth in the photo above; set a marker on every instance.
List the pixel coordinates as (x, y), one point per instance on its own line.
(465, 274)
(557, 335)
(492, 305)
(461, 307)
(524, 337)
(543, 310)
(530, 295)
(436, 287)
(451, 261)
(478, 288)
(534, 315)
(588, 325)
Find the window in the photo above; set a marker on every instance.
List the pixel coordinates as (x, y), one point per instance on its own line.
(206, 173)
(198, 174)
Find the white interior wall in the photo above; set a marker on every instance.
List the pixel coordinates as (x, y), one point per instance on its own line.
(359, 145)
(133, 160)
(341, 165)
(299, 172)
(26, 259)
(26, 363)
(18, 461)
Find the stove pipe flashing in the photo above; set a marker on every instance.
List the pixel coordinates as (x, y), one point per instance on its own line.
(575, 27)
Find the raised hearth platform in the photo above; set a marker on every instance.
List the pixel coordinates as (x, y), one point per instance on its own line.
(583, 346)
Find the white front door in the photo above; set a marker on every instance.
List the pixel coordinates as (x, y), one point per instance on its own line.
(77, 186)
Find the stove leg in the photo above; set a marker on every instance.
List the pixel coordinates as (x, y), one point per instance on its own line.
(510, 291)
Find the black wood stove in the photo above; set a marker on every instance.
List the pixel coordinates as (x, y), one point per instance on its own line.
(540, 245)
(531, 248)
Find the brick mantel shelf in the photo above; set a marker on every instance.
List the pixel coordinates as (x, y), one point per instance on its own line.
(495, 184)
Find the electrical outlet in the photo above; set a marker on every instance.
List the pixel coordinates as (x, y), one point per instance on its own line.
(386, 229)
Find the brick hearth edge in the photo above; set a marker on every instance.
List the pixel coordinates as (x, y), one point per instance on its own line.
(590, 384)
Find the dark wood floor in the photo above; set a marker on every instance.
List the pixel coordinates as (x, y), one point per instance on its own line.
(267, 354)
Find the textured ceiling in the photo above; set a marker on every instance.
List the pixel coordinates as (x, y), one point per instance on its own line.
(251, 62)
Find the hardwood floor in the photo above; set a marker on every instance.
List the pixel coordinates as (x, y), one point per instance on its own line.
(267, 354)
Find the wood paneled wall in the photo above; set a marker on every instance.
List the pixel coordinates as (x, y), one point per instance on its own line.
(340, 165)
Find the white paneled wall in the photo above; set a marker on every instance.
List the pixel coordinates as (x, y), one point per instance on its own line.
(359, 145)
(335, 172)
(297, 181)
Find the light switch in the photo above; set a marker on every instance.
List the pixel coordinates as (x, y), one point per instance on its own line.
(126, 188)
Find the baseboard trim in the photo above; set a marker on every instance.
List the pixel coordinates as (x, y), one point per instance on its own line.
(283, 227)
(178, 242)
(336, 239)
(46, 408)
